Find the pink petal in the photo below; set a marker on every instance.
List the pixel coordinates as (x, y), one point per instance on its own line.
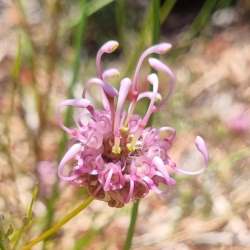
(153, 79)
(71, 153)
(108, 179)
(158, 49)
(159, 164)
(109, 73)
(167, 133)
(161, 48)
(149, 95)
(78, 103)
(94, 140)
(202, 148)
(131, 189)
(152, 185)
(108, 48)
(123, 92)
(108, 89)
(159, 66)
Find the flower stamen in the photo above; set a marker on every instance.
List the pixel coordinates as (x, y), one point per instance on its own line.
(131, 146)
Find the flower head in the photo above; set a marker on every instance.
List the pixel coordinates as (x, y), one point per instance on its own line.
(117, 156)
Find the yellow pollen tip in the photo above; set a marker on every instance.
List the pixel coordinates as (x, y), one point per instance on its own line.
(131, 146)
(116, 149)
(124, 130)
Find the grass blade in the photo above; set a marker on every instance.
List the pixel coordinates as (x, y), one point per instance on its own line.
(224, 3)
(97, 5)
(27, 220)
(166, 8)
(79, 35)
(203, 17)
(155, 21)
(120, 15)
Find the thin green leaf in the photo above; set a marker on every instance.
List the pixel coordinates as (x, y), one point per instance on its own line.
(85, 240)
(79, 37)
(120, 15)
(166, 9)
(224, 3)
(97, 5)
(78, 45)
(4, 241)
(145, 37)
(17, 64)
(155, 21)
(34, 197)
(142, 40)
(27, 220)
(203, 17)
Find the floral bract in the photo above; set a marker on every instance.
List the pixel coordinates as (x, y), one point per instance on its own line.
(118, 157)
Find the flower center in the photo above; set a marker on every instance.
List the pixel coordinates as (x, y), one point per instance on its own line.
(116, 150)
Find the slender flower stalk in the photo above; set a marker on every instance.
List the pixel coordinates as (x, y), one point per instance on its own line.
(155, 38)
(59, 224)
(131, 228)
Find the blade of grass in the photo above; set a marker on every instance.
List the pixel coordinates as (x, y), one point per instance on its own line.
(23, 22)
(156, 24)
(27, 220)
(141, 42)
(56, 227)
(120, 15)
(203, 17)
(155, 21)
(15, 70)
(52, 54)
(198, 24)
(85, 240)
(4, 241)
(224, 3)
(145, 37)
(79, 36)
(166, 8)
(94, 6)
(32, 57)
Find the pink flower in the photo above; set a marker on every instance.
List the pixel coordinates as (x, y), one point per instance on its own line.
(47, 177)
(239, 122)
(115, 155)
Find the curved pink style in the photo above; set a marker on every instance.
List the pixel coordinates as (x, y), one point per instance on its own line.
(116, 155)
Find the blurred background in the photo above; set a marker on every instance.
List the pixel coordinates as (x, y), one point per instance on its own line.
(47, 52)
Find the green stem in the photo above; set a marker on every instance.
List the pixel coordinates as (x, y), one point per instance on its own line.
(131, 229)
(59, 224)
(120, 14)
(155, 34)
(156, 22)
(203, 17)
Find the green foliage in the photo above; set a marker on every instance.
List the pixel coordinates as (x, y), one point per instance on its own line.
(85, 240)
(166, 9)
(95, 6)
(27, 221)
(4, 235)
